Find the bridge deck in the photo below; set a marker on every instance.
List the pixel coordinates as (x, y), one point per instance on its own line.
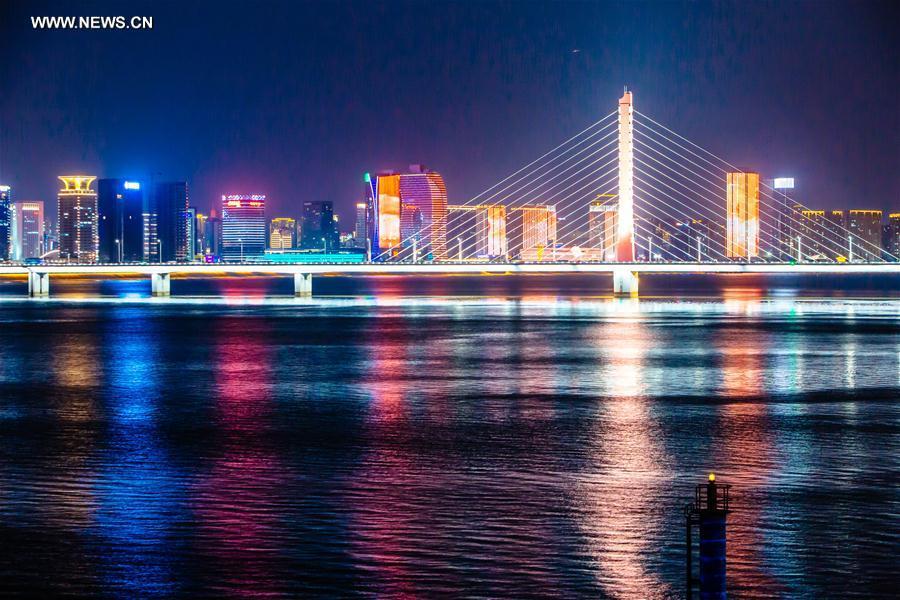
(456, 268)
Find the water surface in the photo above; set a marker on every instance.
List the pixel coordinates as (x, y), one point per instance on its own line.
(408, 445)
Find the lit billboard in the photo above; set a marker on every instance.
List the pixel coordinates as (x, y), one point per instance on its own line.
(783, 183)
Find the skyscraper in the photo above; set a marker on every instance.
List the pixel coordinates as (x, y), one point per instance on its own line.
(786, 214)
(407, 207)
(190, 217)
(282, 233)
(28, 223)
(602, 228)
(120, 226)
(5, 223)
(200, 234)
(812, 229)
(461, 231)
(318, 230)
(77, 210)
(490, 231)
(865, 228)
(359, 232)
(423, 211)
(212, 238)
(742, 235)
(170, 204)
(893, 236)
(243, 226)
(534, 230)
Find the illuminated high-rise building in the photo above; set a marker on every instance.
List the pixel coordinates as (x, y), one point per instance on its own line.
(408, 207)
(120, 222)
(603, 228)
(742, 229)
(865, 228)
(812, 227)
(535, 228)
(243, 226)
(170, 204)
(359, 231)
(6, 223)
(190, 217)
(423, 211)
(77, 210)
(212, 235)
(200, 233)
(785, 214)
(318, 227)
(490, 231)
(282, 233)
(28, 224)
(461, 231)
(690, 241)
(893, 236)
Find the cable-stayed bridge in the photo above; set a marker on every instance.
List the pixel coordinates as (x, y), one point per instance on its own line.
(626, 195)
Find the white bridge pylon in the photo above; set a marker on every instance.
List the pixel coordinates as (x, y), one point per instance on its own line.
(625, 226)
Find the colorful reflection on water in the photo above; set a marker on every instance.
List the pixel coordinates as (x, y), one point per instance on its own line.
(417, 446)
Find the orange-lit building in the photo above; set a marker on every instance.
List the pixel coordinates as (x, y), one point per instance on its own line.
(282, 233)
(490, 231)
(407, 208)
(742, 230)
(535, 227)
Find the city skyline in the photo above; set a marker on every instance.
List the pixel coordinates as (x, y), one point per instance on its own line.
(483, 141)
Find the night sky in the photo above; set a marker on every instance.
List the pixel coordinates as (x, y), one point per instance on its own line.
(298, 100)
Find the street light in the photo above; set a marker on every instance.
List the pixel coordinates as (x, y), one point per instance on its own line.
(119, 251)
(159, 243)
(850, 253)
(242, 249)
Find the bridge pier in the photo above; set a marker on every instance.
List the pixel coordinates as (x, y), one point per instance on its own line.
(160, 284)
(38, 284)
(303, 285)
(625, 282)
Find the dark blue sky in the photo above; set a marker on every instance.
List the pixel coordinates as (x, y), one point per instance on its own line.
(298, 100)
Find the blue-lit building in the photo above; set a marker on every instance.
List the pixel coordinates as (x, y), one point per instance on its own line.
(190, 216)
(5, 223)
(120, 225)
(243, 227)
